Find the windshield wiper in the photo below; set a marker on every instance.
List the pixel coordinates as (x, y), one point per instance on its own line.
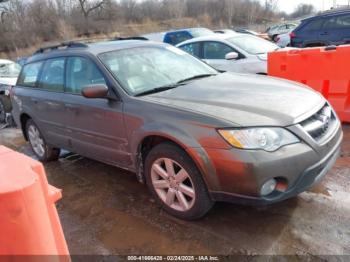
(158, 89)
(195, 77)
(172, 86)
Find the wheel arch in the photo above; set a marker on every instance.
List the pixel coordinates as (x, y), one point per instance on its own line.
(148, 142)
(24, 117)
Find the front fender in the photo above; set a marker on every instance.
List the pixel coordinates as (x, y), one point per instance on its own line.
(183, 139)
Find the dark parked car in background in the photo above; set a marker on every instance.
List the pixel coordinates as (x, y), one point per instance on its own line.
(328, 28)
(194, 135)
(177, 36)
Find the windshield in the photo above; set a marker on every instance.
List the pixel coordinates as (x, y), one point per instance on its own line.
(9, 70)
(253, 45)
(144, 68)
(201, 32)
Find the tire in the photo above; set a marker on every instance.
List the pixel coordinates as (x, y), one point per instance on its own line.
(41, 150)
(186, 185)
(4, 108)
(274, 38)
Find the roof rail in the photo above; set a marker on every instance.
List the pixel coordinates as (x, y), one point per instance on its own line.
(63, 45)
(336, 10)
(130, 38)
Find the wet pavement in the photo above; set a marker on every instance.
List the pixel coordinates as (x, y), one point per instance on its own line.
(104, 210)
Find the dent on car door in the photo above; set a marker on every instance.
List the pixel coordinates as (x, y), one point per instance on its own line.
(96, 125)
(214, 54)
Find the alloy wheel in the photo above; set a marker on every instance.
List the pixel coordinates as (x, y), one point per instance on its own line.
(173, 184)
(36, 140)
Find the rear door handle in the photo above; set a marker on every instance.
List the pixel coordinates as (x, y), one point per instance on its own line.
(324, 33)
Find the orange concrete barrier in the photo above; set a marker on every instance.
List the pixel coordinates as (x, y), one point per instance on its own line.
(325, 69)
(29, 223)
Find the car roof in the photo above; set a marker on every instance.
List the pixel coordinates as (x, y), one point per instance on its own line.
(329, 13)
(214, 37)
(92, 48)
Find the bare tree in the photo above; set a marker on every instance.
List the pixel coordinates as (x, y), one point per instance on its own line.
(88, 6)
(303, 10)
(230, 8)
(3, 9)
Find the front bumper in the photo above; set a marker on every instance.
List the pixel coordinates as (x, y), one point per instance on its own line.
(242, 173)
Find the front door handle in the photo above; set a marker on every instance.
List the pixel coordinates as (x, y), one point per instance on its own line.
(324, 33)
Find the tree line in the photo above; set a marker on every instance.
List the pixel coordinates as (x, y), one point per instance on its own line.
(24, 23)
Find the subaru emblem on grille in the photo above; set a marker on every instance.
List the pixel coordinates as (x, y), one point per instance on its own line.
(325, 117)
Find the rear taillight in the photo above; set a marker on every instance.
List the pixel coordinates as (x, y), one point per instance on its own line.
(292, 35)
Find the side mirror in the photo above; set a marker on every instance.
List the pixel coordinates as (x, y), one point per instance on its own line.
(95, 91)
(231, 56)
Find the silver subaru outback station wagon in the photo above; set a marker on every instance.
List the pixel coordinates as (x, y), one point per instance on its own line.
(192, 134)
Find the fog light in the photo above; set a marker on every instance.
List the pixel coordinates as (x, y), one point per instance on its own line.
(268, 187)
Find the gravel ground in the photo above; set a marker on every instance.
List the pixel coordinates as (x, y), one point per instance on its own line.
(104, 210)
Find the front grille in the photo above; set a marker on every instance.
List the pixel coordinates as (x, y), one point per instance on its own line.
(320, 124)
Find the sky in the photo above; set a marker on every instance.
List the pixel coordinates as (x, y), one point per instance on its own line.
(289, 5)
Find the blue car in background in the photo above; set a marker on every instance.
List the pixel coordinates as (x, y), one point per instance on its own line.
(329, 28)
(177, 36)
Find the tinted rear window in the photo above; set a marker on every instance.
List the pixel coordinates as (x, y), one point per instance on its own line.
(30, 74)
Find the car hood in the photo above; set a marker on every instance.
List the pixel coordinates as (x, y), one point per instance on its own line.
(11, 81)
(245, 100)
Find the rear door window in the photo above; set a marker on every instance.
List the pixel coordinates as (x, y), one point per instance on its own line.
(30, 74)
(193, 49)
(52, 76)
(215, 50)
(82, 72)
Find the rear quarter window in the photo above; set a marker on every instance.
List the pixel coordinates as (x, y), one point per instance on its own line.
(313, 25)
(30, 74)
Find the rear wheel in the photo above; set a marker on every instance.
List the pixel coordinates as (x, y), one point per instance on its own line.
(42, 151)
(2, 112)
(176, 183)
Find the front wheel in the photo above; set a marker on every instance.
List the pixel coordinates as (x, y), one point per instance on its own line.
(42, 151)
(176, 183)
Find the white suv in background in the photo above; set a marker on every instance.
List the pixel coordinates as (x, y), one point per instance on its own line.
(240, 53)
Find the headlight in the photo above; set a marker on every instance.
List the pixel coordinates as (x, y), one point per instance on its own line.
(268, 139)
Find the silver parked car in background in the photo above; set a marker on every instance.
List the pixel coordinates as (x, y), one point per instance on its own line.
(241, 53)
(276, 30)
(9, 72)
